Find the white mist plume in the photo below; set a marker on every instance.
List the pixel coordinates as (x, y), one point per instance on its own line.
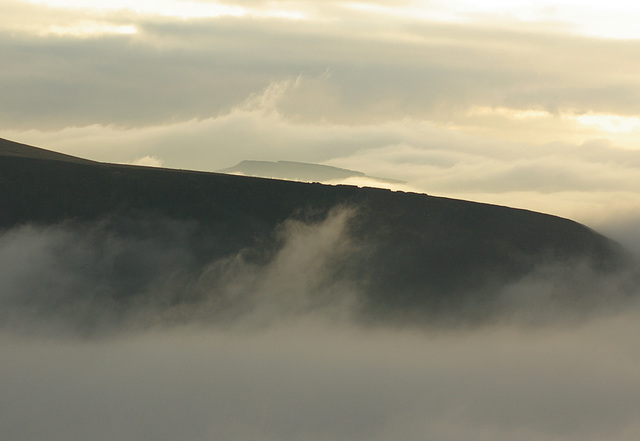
(90, 275)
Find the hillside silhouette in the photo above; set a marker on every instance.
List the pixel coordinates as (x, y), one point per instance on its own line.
(412, 254)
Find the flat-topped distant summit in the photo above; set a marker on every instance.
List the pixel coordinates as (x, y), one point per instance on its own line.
(299, 171)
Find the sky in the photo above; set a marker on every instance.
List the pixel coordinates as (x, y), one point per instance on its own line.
(520, 103)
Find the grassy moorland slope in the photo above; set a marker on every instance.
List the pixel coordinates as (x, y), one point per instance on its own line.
(413, 252)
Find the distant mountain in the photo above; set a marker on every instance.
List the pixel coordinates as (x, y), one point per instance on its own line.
(299, 171)
(406, 255)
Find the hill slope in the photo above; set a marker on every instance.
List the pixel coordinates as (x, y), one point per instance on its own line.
(14, 149)
(407, 255)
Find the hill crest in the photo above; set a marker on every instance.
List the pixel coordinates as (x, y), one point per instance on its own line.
(14, 149)
(411, 254)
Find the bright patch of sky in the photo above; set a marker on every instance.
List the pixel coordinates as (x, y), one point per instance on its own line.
(610, 123)
(88, 28)
(172, 8)
(611, 19)
(508, 113)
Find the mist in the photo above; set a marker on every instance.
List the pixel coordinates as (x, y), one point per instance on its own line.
(120, 273)
(120, 330)
(312, 381)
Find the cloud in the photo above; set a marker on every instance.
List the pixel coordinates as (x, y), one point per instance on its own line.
(149, 161)
(118, 329)
(119, 273)
(309, 380)
(174, 69)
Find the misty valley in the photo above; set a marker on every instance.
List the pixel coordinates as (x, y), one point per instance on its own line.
(157, 304)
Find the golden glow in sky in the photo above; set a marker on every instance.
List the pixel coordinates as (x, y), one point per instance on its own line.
(610, 123)
(611, 19)
(172, 8)
(88, 28)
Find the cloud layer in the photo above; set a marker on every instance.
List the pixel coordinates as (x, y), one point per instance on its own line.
(108, 331)
(312, 379)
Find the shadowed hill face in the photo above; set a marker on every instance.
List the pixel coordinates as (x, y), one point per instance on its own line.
(14, 149)
(400, 255)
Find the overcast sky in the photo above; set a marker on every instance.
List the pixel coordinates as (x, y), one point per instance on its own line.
(528, 104)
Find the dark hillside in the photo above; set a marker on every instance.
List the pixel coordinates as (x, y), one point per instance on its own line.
(415, 253)
(10, 148)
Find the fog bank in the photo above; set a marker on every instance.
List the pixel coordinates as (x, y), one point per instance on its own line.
(107, 333)
(310, 380)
